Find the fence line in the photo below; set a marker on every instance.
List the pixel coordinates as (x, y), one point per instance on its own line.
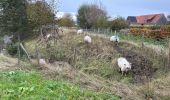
(143, 42)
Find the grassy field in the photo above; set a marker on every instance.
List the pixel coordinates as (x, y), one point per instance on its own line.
(148, 41)
(19, 85)
(137, 39)
(94, 67)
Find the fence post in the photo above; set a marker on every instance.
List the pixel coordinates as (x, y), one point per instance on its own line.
(37, 54)
(115, 33)
(75, 57)
(19, 56)
(29, 58)
(142, 40)
(103, 31)
(142, 34)
(169, 52)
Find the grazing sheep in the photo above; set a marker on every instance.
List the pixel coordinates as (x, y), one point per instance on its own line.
(60, 29)
(87, 39)
(114, 39)
(124, 65)
(80, 31)
(42, 62)
(48, 36)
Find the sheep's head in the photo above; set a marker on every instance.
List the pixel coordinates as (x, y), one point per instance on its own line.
(128, 66)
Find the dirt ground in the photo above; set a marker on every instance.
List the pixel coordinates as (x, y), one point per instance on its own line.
(142, 68)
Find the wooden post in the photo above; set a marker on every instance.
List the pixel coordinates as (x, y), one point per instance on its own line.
(37, 55)
(169, 53)
(142, 40)
(19, 55)
(142, 36)
(75, 57)
(115, 33)
(29, 58)
(128, 34)
(86, 31)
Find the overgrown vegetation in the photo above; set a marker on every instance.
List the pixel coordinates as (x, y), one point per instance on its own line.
(118, 24)
(99, 59)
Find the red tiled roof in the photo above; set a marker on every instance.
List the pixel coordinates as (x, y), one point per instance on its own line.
(145, 19)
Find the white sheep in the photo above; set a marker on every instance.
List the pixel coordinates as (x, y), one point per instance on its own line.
(124, 65)
(42, 62)
(48, 36)
(87, 39)
(80, 31)
(114, 39)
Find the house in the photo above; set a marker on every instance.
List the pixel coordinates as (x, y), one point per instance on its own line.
(152, 19)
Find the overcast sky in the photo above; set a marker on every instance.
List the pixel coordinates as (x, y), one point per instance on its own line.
(120, 7)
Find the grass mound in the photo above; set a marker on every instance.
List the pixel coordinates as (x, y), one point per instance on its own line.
(22, 86)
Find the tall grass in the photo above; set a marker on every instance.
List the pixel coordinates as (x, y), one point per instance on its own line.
(140, 39)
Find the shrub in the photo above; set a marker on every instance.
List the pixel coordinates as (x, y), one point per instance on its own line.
(118, 24)
(12, 49)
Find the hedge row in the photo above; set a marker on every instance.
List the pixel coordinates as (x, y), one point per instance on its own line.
(156, 32)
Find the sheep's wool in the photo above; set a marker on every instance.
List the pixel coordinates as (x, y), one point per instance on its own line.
(87, 39)
(42, 62)
(123, 64)
(80, 31)
(114, 38)
(48, 36)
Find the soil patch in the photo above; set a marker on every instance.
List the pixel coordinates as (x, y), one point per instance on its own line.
(142, 68)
